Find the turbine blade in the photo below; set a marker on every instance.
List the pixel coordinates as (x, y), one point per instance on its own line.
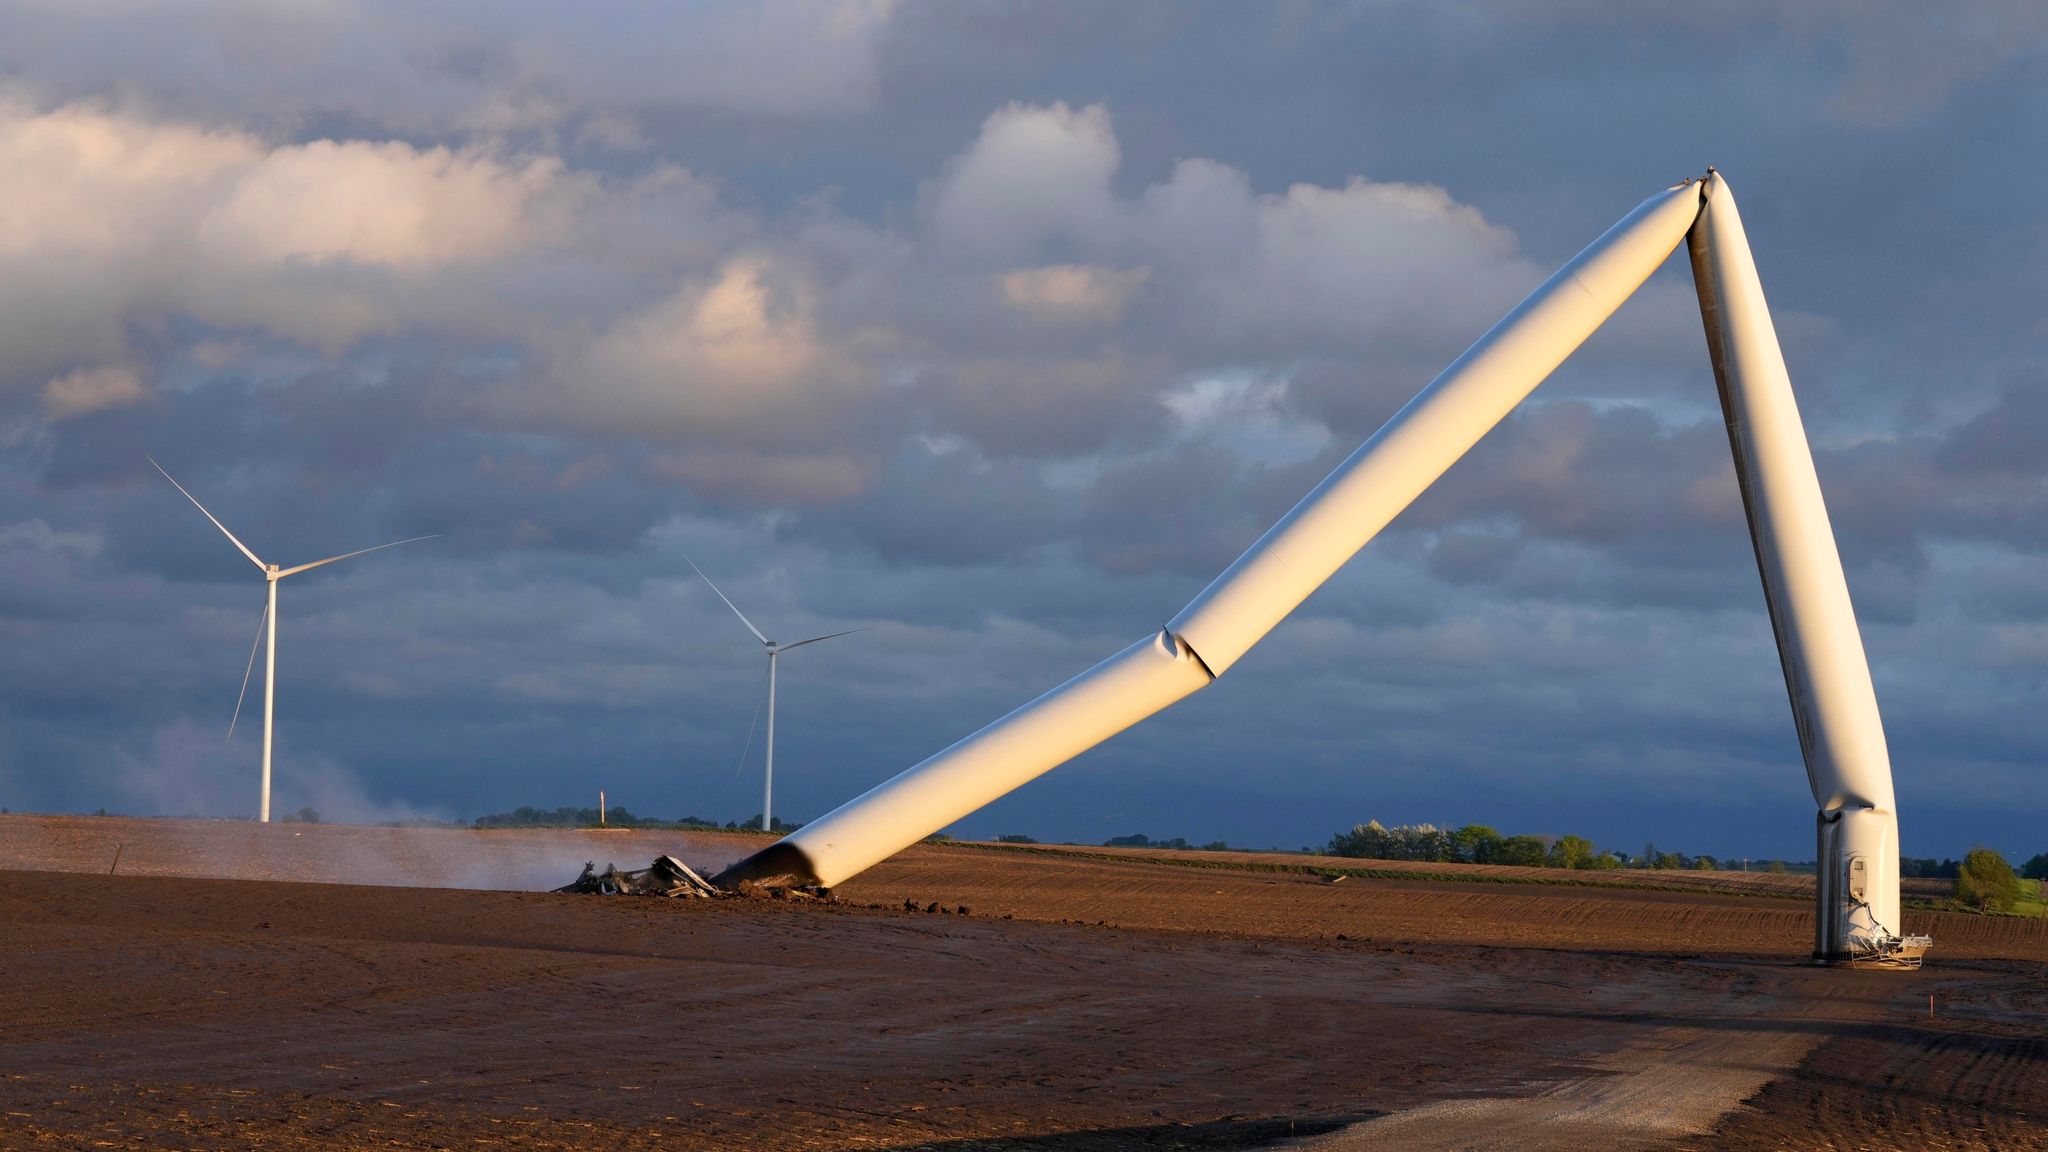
(253, 646)
(827, 636)
(728, 603)
(357, 552)
(202, 508)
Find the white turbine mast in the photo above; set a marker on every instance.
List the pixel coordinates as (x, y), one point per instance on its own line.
(272, 573)
(1834, 708)
(774, 650)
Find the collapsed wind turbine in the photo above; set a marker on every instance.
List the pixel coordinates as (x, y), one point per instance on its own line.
(774, 650)
(1820, 650)
(271, 575)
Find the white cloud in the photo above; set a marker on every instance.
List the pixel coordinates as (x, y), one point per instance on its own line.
(641, 307)
(1348, 268)
(1073, 293)
(83, 181)
(1247, 413)
(111, 220)
(387, 204)
(1106, 303)
(1034, 174)
(37, 537)
(714, 352)
(90, 390)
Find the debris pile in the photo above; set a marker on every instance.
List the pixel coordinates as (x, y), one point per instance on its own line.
(1889, 951)
(667, 876)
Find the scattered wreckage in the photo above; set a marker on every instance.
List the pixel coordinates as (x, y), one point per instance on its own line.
(668, 876)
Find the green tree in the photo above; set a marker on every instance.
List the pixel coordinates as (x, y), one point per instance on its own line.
(1524, 851)
(1571, 852)
(2036, 868)
(1987, 882)
(1477, 844)
(1776, 866)
(1704, 864)
(1368, 841)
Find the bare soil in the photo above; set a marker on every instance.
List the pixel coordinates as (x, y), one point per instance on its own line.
(1079, 1004)
(1791, 885)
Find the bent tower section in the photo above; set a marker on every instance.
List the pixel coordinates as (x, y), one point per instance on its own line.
(1254, 594)
(1827, 677)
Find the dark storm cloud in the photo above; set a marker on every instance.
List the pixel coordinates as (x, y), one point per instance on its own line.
(2004, 441)
(1003, 328)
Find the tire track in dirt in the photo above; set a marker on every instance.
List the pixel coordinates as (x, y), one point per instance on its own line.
(1680, 1082)
(1974, 1078)
(1827, 1061)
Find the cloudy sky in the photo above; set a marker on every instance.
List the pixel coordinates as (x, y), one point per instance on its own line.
(1003, 329)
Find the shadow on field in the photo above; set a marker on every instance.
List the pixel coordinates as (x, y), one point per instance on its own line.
(1217, 1134)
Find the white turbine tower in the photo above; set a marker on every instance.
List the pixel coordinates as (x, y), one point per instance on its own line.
(271, 575)
(774, 650)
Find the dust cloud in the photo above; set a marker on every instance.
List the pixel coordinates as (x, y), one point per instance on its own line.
(521, 859)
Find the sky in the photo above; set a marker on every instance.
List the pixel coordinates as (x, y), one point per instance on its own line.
(1001, 329)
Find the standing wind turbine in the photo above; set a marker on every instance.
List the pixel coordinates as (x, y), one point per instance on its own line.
(774, 650)
(271, 575)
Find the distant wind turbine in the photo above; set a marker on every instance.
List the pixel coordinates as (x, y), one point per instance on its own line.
(774, 650)
(271, 575)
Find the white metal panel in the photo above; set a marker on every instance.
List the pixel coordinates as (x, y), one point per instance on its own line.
(1441, 424)
(1022, 746)
(1827, 674)
(1853, 922)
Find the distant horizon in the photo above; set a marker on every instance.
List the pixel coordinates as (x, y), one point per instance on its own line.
(750, 827)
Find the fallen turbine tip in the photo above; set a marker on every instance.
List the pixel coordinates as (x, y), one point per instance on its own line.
(779, 863)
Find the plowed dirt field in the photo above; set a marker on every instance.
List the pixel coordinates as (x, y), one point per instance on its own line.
(239, 986)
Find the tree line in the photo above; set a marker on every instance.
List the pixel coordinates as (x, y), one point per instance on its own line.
(1983, 879)
(1986, 882)
(570, 816)
(1479, 844)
